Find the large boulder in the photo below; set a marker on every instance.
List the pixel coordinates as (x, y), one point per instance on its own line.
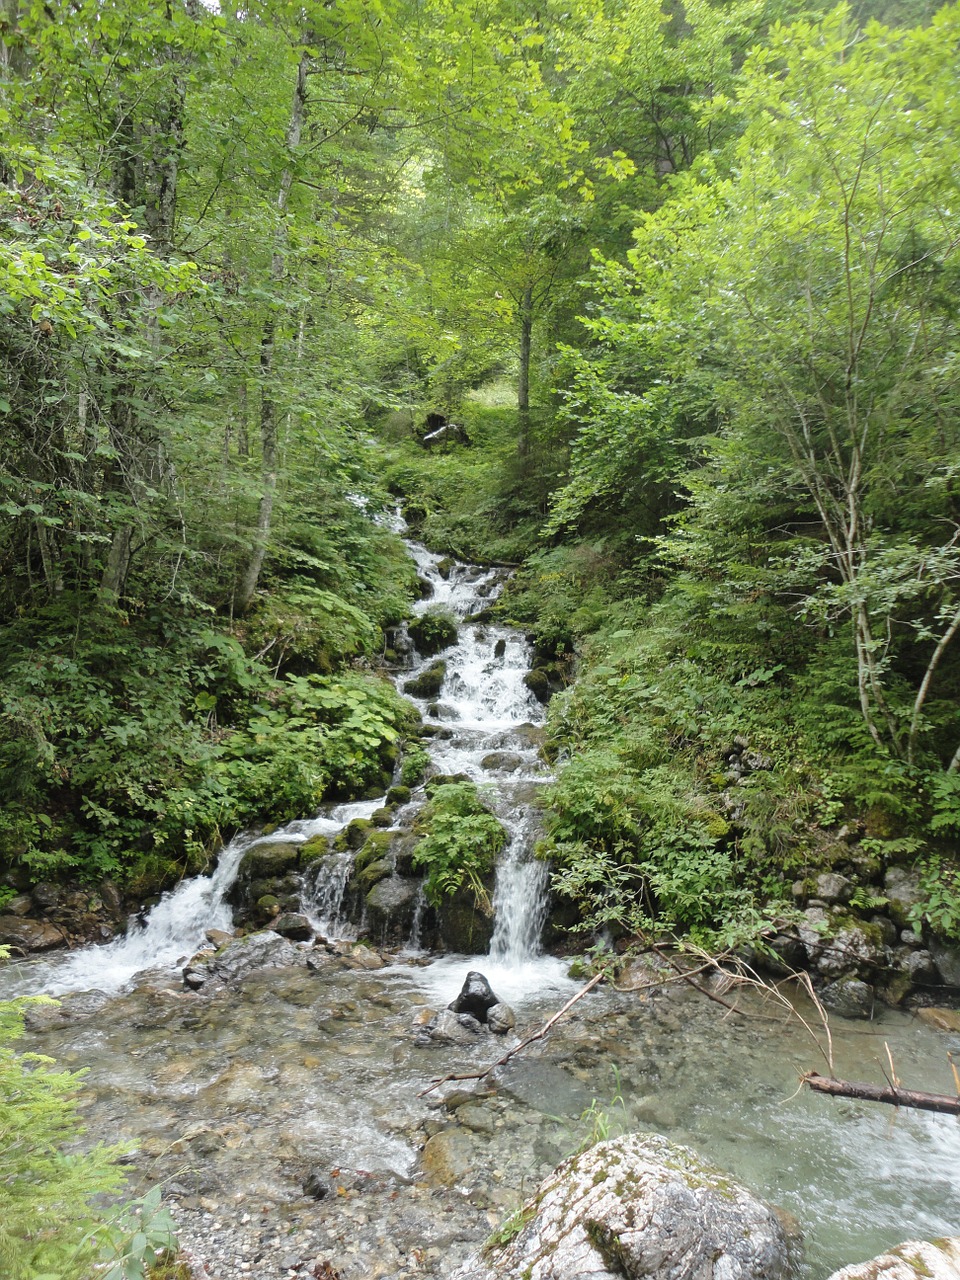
(30, 935)
(476, 996)
(269, 858)
(915, 1260)
(637, 1208)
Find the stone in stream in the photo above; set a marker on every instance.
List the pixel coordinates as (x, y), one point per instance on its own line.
(635, 1208)
(914, 1260)
(476, 997)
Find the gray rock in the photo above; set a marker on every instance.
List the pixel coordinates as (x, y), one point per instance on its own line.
(265, 950)
(833, 888)
(295, 926)
(946, 955)
(77, 1006)
(914, 1260)
(476, 1118)
(502, 762)
(920, 967)
(195, 976)
(639, 1207)
(390, 906)
(29, 935)
(849, 997)
(446, 1028)
(902, 887)
(852, 950)
(501, 1018)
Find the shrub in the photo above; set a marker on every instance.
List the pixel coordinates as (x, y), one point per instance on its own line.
(461, 841)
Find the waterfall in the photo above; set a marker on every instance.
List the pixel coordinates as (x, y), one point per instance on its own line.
(487, 714)
(489, 721)
(170, 934)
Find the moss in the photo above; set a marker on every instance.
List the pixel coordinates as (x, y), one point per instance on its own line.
(428, 684)
(375, 848)
(354, 835)
(382, 817)
(398, 795)
(372, 874)
(315, 847)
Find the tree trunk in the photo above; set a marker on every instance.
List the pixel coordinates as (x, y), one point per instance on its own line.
(268, 412)
(523, 380)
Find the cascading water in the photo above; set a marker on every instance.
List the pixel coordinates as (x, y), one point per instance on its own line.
(171, 933)
(488, 713)
(484, 708)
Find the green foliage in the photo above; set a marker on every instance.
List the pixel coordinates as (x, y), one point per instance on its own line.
(461, 840)
(509, 1228)
(48, 1227)
(939, 905)
(433, 631)
(413, 764)
(128, 750)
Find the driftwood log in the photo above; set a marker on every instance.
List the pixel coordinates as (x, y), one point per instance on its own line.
(897, 1097)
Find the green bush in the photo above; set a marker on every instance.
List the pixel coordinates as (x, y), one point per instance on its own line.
(128, 747)
(49, 1227)
(461, 841)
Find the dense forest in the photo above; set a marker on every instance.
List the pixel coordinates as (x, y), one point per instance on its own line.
(657, 303)
(679, 282)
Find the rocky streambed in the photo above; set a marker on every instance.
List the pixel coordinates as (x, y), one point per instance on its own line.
(279, 1107)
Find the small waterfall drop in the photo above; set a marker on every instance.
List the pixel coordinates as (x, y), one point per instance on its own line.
(172, 931)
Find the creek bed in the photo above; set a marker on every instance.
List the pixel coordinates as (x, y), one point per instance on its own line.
(240, 1099)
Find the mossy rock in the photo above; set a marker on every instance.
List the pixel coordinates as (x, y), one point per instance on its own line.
(354, 835)
(316, 847)
(544, 682)
(382, 817)
(402, 852)
(274, 886)
(445, 566)
(462, 926)
(429, 683)
(433, 631)
(376, 847)
(269, 858)
(445, 780)
(398, 795)
(372, 874)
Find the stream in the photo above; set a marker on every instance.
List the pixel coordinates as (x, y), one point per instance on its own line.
(282, 1115)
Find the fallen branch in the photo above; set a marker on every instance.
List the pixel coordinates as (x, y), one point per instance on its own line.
(537, 1035)
(894, 1095)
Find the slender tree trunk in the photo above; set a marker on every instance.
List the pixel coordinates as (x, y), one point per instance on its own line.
(268, 411)
(51, 569)
(523, 381)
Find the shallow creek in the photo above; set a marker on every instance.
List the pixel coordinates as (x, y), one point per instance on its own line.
(283, 1115)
